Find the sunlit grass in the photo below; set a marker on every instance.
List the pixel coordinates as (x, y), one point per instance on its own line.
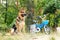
(27, 36)
(52, 38)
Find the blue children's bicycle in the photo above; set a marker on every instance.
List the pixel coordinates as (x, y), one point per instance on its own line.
(37, 27)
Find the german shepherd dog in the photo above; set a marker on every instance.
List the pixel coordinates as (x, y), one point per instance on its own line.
(20, 22)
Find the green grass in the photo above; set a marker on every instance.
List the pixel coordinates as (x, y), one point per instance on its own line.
(26, 36)
(52, 38)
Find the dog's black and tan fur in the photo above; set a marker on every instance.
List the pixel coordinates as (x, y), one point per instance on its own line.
(20, 22)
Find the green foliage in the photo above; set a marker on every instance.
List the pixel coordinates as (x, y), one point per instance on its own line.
(52, 16)
(12, 23)
(11, 14)
(3, 26)
(41, 7)
(58, 4)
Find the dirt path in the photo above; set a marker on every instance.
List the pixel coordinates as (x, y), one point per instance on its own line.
(53, 36)
(43, 37)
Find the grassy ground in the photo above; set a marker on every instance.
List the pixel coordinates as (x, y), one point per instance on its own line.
(27, 36)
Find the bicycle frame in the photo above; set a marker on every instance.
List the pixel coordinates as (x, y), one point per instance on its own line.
(43, 24)
(36, 27)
